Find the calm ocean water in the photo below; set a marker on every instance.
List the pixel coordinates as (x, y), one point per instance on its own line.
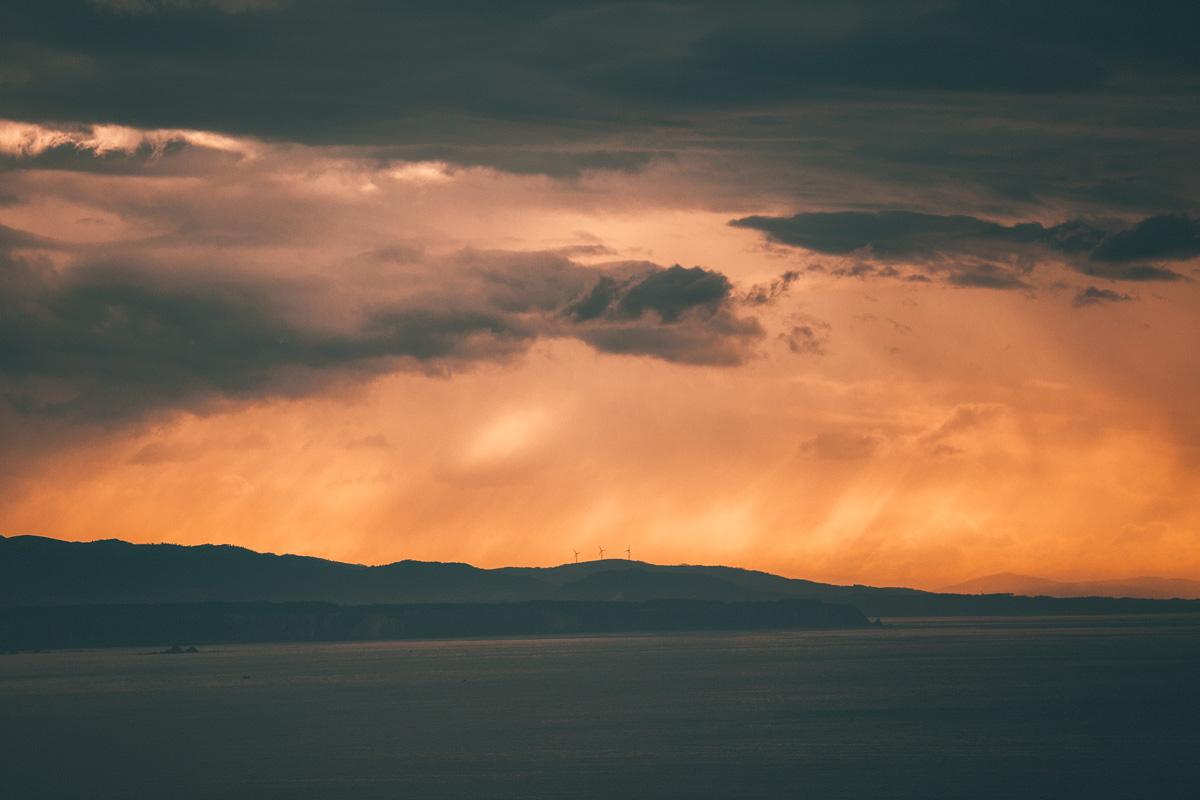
(1079, 708)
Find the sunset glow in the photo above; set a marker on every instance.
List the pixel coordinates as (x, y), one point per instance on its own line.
(816, 329)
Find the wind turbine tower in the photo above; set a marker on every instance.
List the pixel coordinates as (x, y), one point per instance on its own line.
(628, 554)
(601, 553)
(576, 552)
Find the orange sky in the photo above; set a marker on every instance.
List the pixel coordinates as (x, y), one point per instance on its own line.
(919, 432)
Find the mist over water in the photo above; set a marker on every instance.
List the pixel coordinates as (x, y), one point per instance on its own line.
(1066, 707)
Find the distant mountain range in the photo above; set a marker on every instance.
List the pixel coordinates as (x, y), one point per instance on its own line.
(1012, 583)
(39, 571)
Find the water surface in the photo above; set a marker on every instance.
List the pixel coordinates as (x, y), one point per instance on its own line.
(1087, 708)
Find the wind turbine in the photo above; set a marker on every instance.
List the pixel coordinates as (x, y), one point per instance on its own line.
(601, 553)
(576, 552)
(628, 555)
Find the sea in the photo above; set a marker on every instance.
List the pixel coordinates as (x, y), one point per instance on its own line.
(1082, 707)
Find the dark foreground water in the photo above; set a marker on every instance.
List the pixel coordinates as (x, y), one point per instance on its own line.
(1087, 708)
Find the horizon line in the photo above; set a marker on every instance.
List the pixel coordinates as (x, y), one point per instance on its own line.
(946, 588)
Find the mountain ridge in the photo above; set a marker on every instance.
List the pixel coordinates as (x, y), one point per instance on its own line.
(42, 571)
(1145, 586)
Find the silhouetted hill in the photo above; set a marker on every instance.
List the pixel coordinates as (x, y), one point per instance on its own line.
(638, 583)
(38, 571)
(1145, 586)
(752, 580)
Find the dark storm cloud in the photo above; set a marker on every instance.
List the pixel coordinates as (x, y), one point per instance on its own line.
(559, 87)
(113, 341)
(1129, 272)
(598, 300)
(909, 234)
(12, 238)
(518, 282)
(1096, 249)
(673, 291)
(1171, 236)
(1092, 296)
(448, 76)
(668, 294)
(678, 314)
(790, 52)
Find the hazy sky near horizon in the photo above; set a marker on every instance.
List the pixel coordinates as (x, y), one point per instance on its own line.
(854, 291)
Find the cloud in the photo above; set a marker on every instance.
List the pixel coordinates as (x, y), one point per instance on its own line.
(585, 250)
(840, 446)
(671, 292)
(114, 341)
(771, 105)
(987, 276)
(667, 293)
(1169, 236)
(912, 234)
(808, 336)
(14, 238)
(1130, 272)
(556, 160)
(677, 314)
(28, 140)
(1092, 296)
(945, 438)
(105, 340)
(563, 88)
(722, 339)
(936, 242)
(764, 294)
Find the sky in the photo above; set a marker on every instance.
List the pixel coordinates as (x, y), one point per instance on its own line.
(895, 293)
